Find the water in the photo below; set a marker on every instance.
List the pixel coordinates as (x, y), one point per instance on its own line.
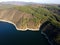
(47, 38)
(10, 36)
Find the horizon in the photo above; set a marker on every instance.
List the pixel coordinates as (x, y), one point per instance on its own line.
(34, 1)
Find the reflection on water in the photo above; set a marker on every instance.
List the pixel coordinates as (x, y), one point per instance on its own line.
(10, 36)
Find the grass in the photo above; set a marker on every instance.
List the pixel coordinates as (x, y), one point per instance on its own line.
(41, 14)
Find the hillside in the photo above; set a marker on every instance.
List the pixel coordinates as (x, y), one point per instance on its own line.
(29, 16)
(32, 16)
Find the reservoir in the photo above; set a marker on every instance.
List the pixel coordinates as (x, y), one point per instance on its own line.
(9, 35)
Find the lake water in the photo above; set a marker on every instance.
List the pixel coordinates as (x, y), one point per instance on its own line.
(9, 35)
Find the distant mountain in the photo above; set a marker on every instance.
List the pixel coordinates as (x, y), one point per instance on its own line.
(17, 3)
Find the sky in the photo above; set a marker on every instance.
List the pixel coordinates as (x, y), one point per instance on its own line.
(37, 1)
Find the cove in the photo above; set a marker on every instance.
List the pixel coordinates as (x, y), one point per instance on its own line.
(9, 35)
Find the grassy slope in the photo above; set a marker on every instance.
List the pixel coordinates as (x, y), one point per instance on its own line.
(42, 14)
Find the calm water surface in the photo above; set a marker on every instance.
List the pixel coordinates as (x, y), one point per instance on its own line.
(10, 36)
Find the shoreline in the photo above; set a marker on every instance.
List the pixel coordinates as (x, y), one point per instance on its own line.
(47, 37)
(18, 28)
